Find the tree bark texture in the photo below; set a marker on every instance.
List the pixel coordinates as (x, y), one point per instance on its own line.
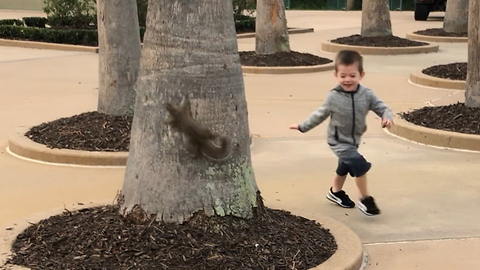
(190, 48)
(376, 19)
(271, 32)
(119, 55)
(472, 93)
(456, 16)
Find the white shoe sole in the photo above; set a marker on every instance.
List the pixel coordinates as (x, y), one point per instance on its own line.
(336, 200)
(363, 209)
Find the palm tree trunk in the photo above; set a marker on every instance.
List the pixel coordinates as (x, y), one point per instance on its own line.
(472, 93)
(456, 16)
(271, 32)
(376, 19)
(190, 49)
(119, 55)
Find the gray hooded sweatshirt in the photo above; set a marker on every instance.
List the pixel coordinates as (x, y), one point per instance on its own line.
(347, 112)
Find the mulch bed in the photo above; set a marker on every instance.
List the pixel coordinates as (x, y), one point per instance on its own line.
(453, 71)
(439, 32)
(389, 41)
(281, 59)
(456, 117)
(90, 131)
(100, 238)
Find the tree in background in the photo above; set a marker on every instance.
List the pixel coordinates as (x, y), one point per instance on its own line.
(119, 55)
(271, 32)
(456, 17)
(376, 19)
(472, 93)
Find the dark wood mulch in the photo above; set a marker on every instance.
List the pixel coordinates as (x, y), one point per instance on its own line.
(390, 41)
(89, 131)
(439, 32)
(281, 59)
(456, 117)
(453, 71)
(100, 238)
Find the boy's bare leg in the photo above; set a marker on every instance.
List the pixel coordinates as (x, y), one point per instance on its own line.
(362, 186)
(338, 182)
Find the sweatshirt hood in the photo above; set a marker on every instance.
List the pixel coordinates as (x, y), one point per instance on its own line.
(339, 88)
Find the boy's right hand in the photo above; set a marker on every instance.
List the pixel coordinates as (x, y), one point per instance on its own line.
(295, 126)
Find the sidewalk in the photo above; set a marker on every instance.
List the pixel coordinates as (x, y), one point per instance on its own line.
(425, 193)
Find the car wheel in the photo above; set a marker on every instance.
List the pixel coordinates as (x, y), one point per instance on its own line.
(421, 12)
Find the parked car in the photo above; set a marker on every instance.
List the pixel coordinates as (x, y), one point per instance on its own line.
(424, 7)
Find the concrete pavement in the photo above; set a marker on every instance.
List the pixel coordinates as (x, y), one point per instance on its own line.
(426, 194)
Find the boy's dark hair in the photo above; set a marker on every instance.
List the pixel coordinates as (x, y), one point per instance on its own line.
(349, 57)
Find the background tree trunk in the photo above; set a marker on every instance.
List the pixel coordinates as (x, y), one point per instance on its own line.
(119, 55)
(271, 32)
(190, 47)
(472, 93)
(456, 16)
(376, 18)
(350, 4)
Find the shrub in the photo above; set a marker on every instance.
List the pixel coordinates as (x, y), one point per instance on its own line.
(82, 14)
(244, 23)
(86, 37)
(11, 22)
(65, 36)
(78, 14)
(35, 21)
(244, 6)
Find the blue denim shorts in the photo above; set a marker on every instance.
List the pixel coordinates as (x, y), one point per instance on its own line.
(350, 161)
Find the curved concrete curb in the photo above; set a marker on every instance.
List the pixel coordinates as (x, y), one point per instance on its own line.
(79, 48)
(349, 254)
(335, 47)
(418, 77)
(291, 31)
(434, 137)
(20, 145)
(287, 70)
(436, 39)
(47, 46)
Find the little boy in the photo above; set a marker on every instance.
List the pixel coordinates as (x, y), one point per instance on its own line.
(347, 106)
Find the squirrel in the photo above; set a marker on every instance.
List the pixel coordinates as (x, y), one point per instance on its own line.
(198, 139)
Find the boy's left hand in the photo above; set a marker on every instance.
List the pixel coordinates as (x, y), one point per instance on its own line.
(387, 123)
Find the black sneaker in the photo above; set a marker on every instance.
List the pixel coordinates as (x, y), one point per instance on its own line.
(340, 198)
(368, 207)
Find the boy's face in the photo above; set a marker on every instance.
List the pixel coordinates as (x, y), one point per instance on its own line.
(348, 76)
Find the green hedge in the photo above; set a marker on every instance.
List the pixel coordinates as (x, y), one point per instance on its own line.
(11, 22)
(86, 37)
(75, 37)
(244, 23)
(35, 21)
